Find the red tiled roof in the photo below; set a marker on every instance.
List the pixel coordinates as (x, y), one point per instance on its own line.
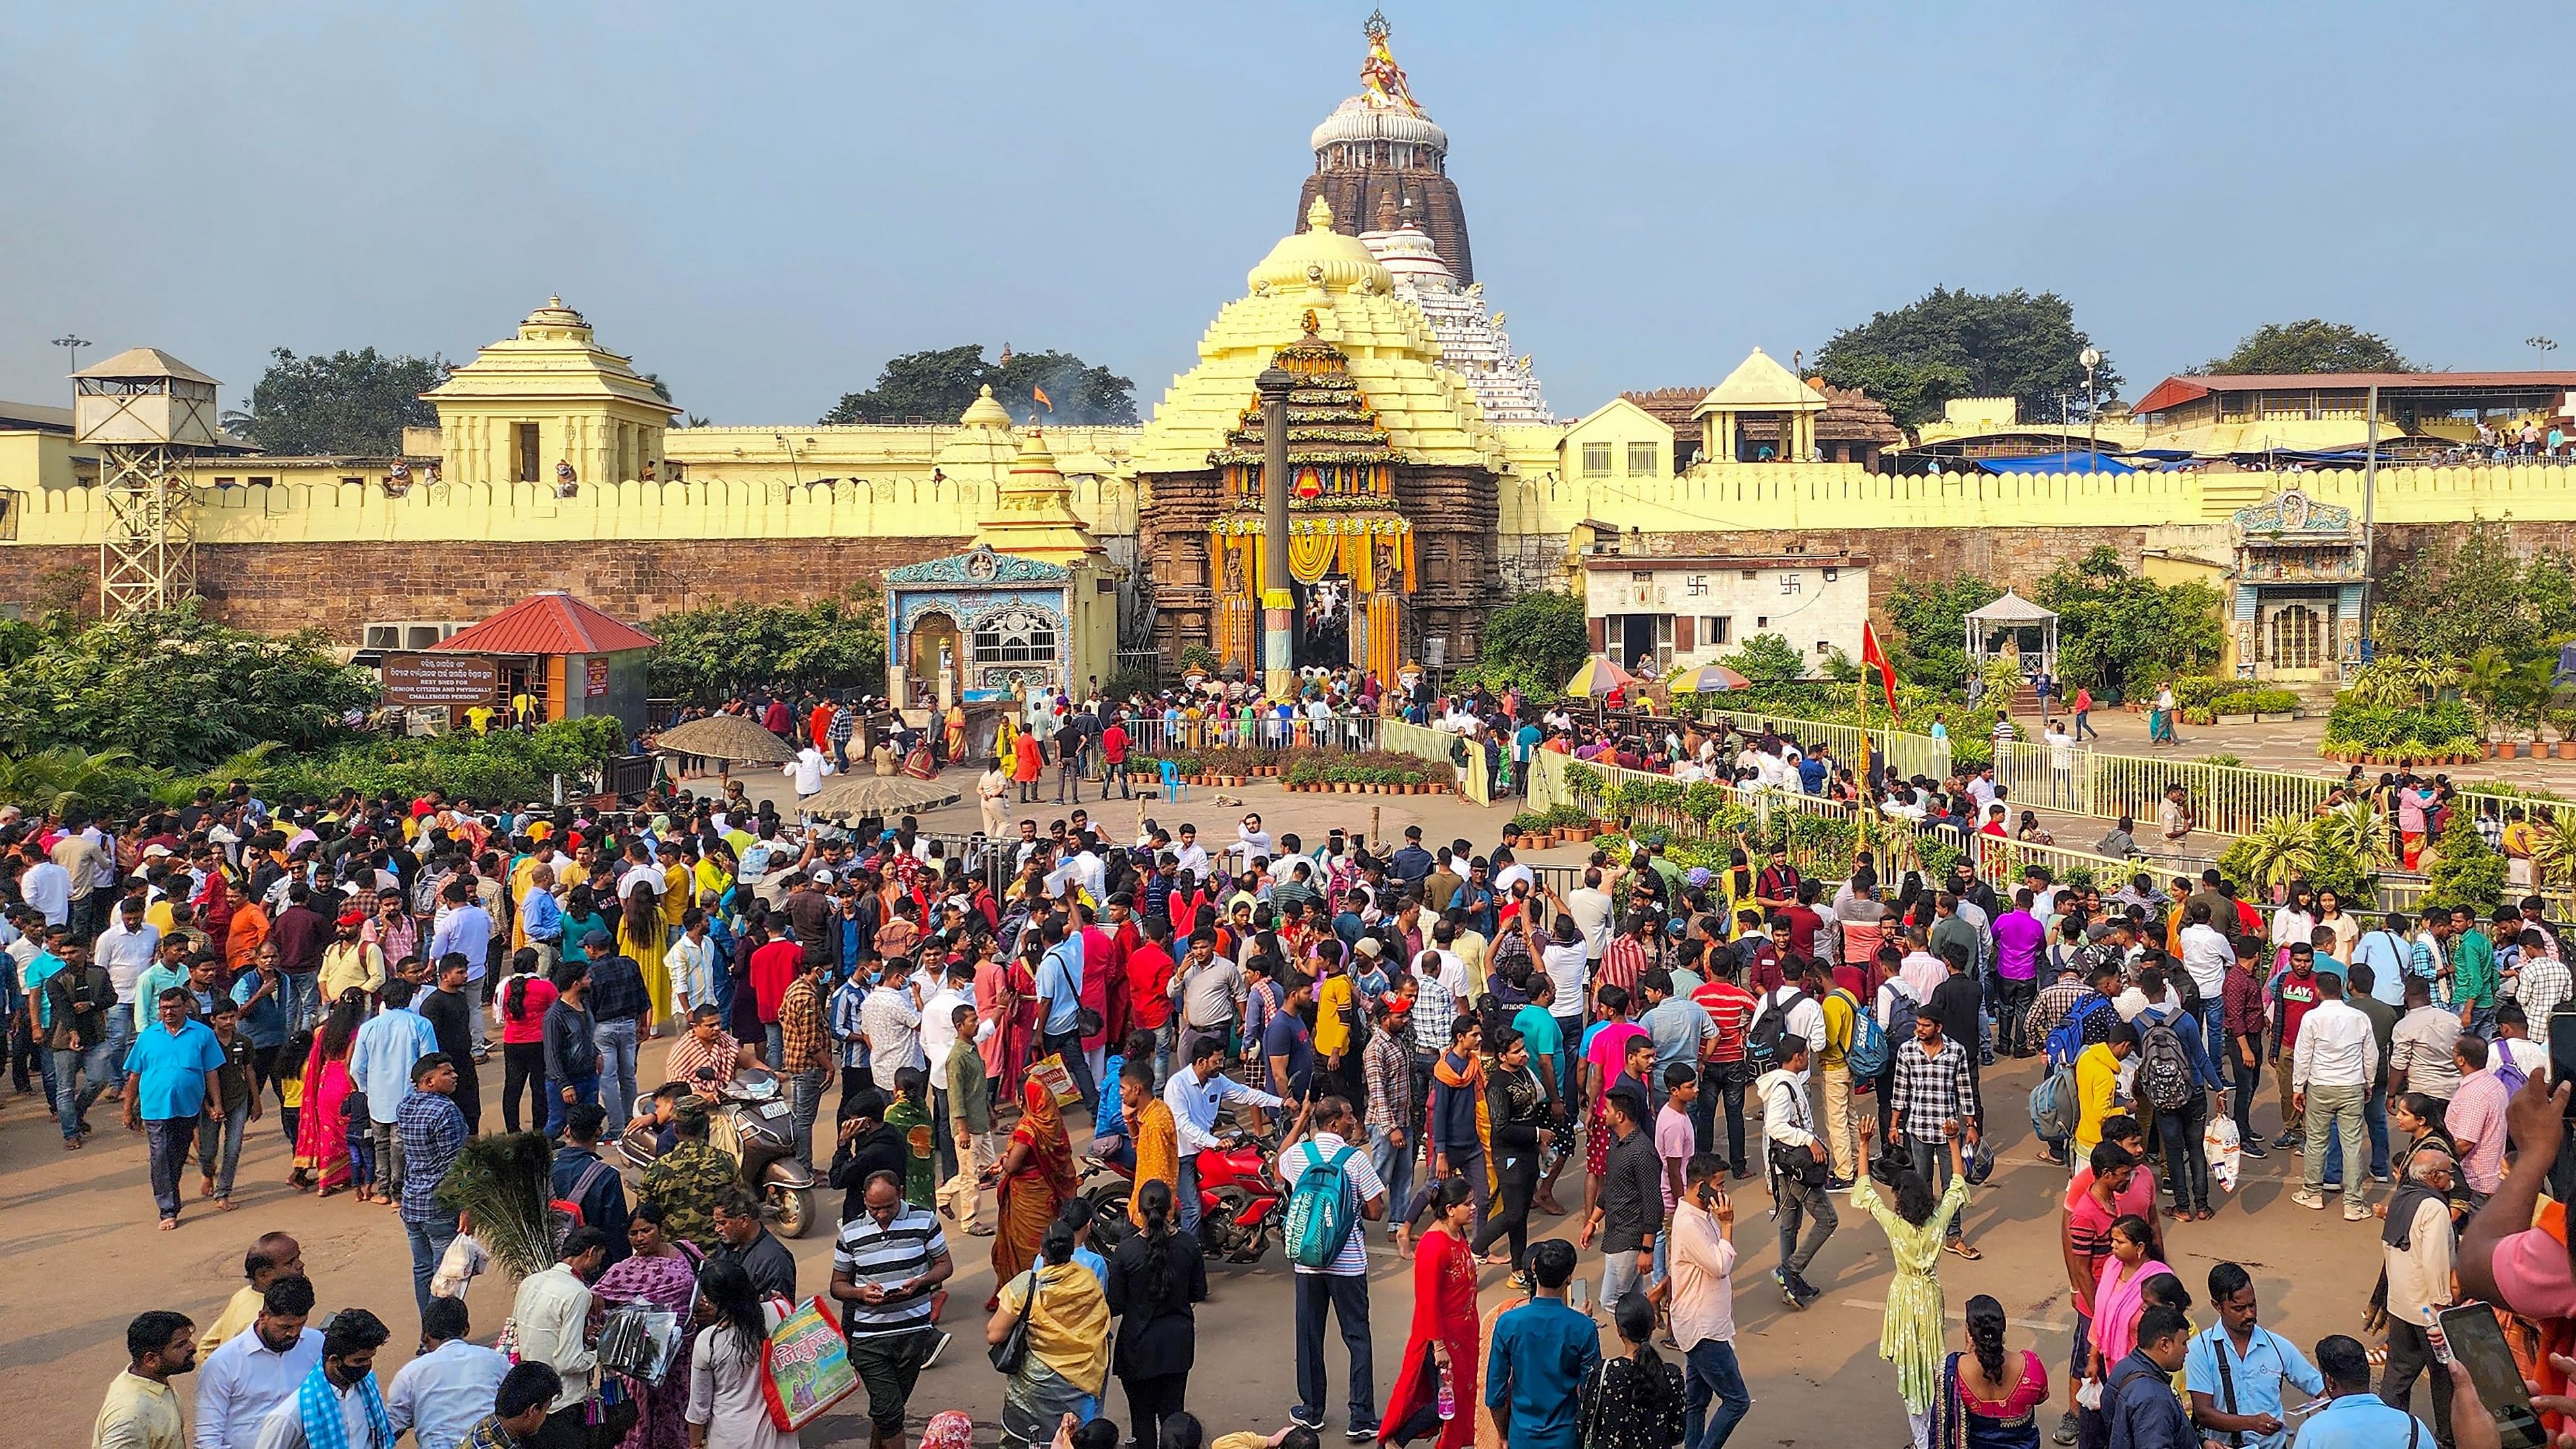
(2175, 391)
(548, 623)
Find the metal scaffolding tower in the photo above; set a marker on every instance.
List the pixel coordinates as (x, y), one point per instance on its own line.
(149, 414)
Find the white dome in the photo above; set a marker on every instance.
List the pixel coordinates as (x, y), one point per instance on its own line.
(1356, 120)
(1409, 254)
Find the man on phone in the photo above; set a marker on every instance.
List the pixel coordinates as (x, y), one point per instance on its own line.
(1702, 1289)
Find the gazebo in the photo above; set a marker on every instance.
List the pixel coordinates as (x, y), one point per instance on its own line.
(567, 658)
(2011, 626)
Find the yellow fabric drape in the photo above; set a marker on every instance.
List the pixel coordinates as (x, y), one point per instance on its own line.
(1310, 555)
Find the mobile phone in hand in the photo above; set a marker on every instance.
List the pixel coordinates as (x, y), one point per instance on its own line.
(2562, 1054)
(2477, 1340)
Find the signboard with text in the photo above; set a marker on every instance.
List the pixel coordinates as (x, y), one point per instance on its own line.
(450, 681)
(594, 678)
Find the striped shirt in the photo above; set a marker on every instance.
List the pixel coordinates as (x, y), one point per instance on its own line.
(887, 1256)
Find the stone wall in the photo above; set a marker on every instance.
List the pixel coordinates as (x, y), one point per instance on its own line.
(342, 587)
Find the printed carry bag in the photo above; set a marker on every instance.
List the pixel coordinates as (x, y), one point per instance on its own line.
(1050, 1069)
(805, 1366)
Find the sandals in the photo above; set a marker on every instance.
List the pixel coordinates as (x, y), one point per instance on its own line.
(1963, 1250)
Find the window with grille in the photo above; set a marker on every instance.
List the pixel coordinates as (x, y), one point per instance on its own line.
(1641, 460)
(1596, 460)
(1015, 636)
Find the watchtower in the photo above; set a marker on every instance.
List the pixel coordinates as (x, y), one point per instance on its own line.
(149, 414)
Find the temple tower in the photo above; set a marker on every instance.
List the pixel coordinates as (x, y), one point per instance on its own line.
(1382, 144)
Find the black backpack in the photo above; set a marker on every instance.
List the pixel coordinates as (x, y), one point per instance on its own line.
(1762, 1043)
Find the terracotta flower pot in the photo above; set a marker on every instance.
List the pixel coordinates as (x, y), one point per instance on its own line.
(2566, 749)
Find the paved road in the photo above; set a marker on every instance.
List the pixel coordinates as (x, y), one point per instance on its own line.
(85, 1257)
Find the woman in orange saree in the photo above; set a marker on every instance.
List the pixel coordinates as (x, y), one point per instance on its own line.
(1035, 1178)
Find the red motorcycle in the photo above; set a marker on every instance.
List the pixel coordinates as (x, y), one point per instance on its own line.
(1239, 1200)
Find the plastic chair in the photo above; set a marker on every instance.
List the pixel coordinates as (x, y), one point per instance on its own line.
(1173, 789)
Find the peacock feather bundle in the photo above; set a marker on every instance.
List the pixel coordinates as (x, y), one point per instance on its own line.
(503, 1182)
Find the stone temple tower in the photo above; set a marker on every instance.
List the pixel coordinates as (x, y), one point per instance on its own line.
(1381, 144)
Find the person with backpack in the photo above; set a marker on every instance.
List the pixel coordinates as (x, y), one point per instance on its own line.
(1800, 1170)
(1895, 1011)
(2097, 1084)
(1331, 1187)
(2174, 1079)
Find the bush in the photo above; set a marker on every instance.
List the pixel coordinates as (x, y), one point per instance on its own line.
(502, 765)
(2467, 873)
(2444, 728)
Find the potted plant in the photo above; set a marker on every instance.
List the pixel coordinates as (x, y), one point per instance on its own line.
(2563, 720)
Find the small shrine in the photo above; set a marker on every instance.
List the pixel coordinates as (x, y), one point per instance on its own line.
(1033, 605)
(1350, 553)
(2301, 577)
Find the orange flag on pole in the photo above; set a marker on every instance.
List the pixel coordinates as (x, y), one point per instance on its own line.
(1043, 400)
(1872, 656)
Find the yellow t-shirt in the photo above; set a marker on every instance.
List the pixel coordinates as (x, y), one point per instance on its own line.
(1332, 1028)
(1837, 1007)
(2097, 1091)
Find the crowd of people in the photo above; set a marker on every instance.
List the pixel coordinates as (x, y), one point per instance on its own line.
(1391, 1040)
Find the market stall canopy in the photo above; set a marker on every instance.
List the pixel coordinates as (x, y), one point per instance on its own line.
(1597, 678)
(724, 737)
(880, 795)
(1709, 679)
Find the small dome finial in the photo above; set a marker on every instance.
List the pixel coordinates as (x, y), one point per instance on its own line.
(1319, 217)
(554, 299)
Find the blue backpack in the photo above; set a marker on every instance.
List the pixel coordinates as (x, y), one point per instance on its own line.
(1321, 1210)
(2066, 1039)
(1867, 1055)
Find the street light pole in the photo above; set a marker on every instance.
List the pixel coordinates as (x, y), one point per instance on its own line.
(1278, 603)
(2091, 358)
(2542, 345)
(72, 344)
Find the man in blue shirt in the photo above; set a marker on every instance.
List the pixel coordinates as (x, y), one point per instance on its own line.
(165, 1091)
(432, 1130)
(1544, 1352)
(2356, 1418)
(1060, 1007)
(2137, 1396)
(380, 1063)
(2235, 1369)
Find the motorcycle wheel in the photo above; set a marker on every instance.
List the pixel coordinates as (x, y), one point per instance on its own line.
(1238, 1243)
(794, 1209)
(1109, 1212)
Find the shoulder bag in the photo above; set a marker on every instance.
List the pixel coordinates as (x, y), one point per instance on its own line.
(1014, 1347)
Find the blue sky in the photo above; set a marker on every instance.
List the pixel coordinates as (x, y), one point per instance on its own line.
(764, 203)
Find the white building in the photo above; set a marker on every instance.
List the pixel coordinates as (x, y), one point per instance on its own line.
(1473, 343)
(1677, 612)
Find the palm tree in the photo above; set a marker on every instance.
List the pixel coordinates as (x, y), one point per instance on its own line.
(2488, 683)
(2277, 851)
(49, 781)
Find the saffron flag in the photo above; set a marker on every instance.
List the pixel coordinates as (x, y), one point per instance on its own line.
(1043, 400)
(1874, 657)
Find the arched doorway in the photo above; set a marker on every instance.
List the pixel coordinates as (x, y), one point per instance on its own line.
(932, 653)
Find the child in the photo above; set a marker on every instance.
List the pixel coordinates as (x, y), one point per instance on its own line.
(362, 1145)
(910, 1115)
(231, 1107)
(290, 1095)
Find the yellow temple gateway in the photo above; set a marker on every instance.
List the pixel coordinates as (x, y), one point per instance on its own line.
(1430, 481)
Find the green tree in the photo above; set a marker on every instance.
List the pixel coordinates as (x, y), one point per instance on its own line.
(2456, 598)
(1767, 659)
(936, 386)
(712, 652)
(349, 403)
(2312, 345)
(2116, 631)
(1928, 619)
(174, 689)
(2467, 873)
(1536, 642)
(1955, 343)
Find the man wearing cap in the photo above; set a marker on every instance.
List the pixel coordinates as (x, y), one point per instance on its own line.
(686, 1181)
(349, 961)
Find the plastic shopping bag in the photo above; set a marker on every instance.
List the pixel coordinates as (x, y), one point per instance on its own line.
(1050, 1069)
(463, 1261)
(2226, 1152)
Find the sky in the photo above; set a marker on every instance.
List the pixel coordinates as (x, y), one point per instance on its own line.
(763, 204)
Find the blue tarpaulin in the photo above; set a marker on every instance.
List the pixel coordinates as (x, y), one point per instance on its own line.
(2057, 463)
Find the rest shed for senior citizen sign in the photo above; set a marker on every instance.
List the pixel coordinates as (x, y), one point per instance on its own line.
(454, 682)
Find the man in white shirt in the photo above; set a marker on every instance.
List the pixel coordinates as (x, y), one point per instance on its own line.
(1251, 842)
(1189, 857)
(125, 949)
(807, 769)
(253, 1371)
(47, 887)
(891, 1021)
(1194, 1094)
(1703, 1300)
(1593, 911)
(349, 1366)
(1799, 1165)
(441, 1395)
(2330, 1075)
(2206, 954)
(552, 1311)
(1342, 1285)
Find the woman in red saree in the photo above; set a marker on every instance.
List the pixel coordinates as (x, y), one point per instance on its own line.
(1444, 1337)
(1035, 1178)
(321, 1128)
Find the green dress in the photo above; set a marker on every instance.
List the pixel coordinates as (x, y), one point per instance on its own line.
(913, 1121)
(1912, 1337)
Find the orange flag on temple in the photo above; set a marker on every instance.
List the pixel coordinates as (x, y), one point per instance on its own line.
(1874, 657)
(1043, 400)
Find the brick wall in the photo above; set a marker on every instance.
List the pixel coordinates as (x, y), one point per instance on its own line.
(280, 587)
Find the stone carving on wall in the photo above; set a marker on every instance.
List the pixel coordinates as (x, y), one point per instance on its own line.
(979, 566)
